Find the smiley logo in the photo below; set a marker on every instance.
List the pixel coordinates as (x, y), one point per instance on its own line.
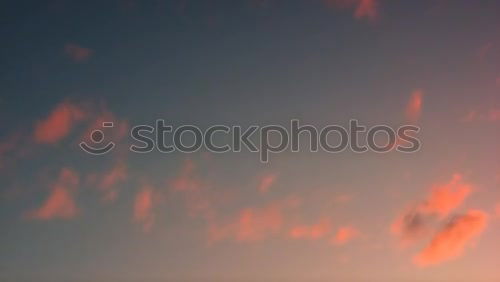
(97, 137)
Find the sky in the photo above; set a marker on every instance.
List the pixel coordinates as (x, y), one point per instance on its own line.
(69, 66)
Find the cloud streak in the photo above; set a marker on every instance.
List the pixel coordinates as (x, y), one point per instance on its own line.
(414, 106)
(143, 208)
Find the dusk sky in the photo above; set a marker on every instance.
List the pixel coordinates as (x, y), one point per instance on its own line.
(68, 66)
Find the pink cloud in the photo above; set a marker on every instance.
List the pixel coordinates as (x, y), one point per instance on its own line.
(414, 106)
(363, 9)
(109, 180)
(266, 182)
(451, 241)
(143, 208)
(311, 232)
(497, 210)
(254, 224)
(443, 199)
(186, 180)
(199, 198)
(59, 123)
(60, 203)
(77, 53)
(344, 235)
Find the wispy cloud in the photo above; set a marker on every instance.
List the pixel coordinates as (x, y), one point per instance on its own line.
(363, 9)
(414, 106)
(60, 203)
(77, 53)
(311, 232)
(254, 224)
(451, 241)
(59, 123)
(110, 179)
(266, 182)
(143, 207)
(344, 235)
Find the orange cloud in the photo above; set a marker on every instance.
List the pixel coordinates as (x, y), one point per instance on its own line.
(311, 232)
(497, 210)
(363, 9)
(254, 224)
(109, 180)
(77, 53)
(414, 107)
(143, 208)
(345, 235)
(443, 199)
(266, 182)
(59, 123)
(60, 203)
(451, 241)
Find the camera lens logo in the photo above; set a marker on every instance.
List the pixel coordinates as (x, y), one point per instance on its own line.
(97, 137)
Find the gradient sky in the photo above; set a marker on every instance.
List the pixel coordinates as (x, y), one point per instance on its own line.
(433, 215)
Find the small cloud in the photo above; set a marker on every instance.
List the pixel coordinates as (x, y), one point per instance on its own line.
(266, 182)
(367, 9)
(143, 208)
(109, 180)
(59, 123)
(60, 203)
(363, 9)
(344, 235)
(342, 198)
(451, 241)
(197, 197)
(311, 232)
(186, 180)
(77, 53)
(254, 224)
(414, 106)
